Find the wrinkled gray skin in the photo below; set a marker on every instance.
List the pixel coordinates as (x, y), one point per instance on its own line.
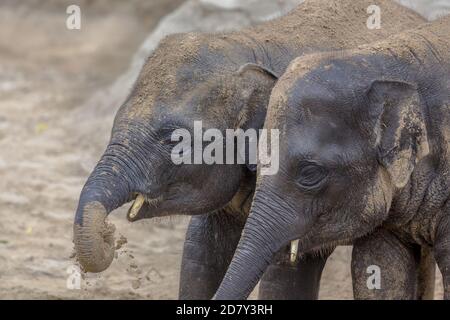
(195, 77)
(365, 148)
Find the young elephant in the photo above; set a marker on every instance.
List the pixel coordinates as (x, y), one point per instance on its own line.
(224, 80)
(365, 146)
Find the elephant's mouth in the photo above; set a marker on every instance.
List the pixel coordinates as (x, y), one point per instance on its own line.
(326, 246)
(144, 207)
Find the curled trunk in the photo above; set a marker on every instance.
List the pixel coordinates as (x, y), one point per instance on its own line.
(94, 238)
(106, 189)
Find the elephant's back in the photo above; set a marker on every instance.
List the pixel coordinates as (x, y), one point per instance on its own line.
(331, 25)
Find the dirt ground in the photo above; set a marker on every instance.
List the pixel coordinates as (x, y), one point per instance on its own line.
(47, 74)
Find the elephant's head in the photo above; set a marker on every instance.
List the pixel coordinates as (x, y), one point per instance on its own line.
(189, 77)
(350, 140)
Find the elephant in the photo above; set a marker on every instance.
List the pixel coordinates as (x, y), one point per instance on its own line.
(364, 151)
(225, 80)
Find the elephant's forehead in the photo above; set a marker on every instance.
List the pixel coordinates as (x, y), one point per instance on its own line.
(157, 106)
(323, 138)
(324, 131)
(306, 101)
(170, 91)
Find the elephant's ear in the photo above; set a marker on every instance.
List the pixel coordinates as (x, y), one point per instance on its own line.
(253, 67)
(401, 130)
(255, 97)
(259, 81)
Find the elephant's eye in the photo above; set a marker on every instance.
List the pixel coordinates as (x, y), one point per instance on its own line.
(311, 175)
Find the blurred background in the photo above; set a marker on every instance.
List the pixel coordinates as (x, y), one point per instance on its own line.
(59, 92)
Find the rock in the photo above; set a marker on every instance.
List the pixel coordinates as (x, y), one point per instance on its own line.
(430, 9)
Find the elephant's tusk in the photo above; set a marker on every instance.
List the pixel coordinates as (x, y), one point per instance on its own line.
(294, 250)
(137, 205)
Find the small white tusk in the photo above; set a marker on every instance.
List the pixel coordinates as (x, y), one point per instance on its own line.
(137, 205)
(294, 250)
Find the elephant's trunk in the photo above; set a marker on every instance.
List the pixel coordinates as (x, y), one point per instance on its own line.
(267, 230)
(107, 188)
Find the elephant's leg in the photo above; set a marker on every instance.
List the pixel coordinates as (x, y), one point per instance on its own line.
(383, 267)
(427, 274)
(284, 280)
(208, 249)
(442, 253)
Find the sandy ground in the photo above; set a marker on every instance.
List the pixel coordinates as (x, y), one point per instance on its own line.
(52, 132)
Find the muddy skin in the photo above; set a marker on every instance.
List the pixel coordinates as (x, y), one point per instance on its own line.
(373, 155)
(194, 77)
